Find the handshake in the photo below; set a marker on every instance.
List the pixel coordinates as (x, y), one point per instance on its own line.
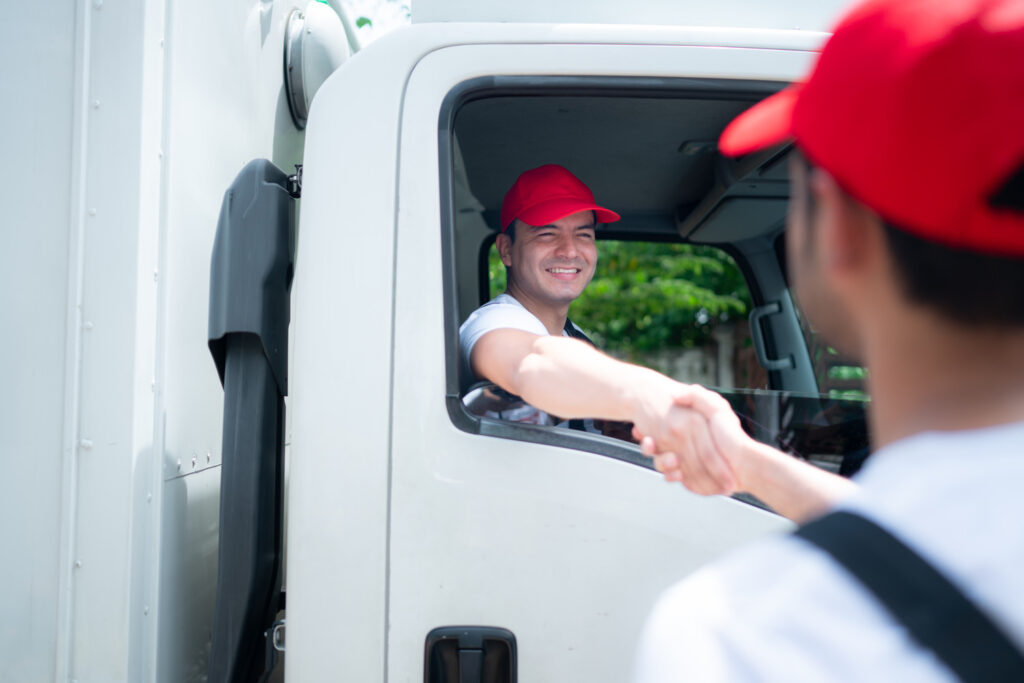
(696, 439)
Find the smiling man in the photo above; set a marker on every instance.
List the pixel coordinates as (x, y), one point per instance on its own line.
(547, 244)
(524, 342)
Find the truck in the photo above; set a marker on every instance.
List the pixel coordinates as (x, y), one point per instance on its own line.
(239, 248)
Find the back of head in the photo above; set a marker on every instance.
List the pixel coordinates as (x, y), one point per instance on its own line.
(916, 108)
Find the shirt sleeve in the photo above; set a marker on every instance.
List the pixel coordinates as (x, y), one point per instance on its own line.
(493, 316)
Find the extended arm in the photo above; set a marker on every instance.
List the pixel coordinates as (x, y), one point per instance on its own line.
(696, 433)
(791, 487)
(571, 379)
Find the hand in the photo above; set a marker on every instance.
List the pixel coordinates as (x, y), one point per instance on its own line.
(680, 452)
(682, 444)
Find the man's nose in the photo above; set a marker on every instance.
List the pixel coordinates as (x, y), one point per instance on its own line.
(566, 247)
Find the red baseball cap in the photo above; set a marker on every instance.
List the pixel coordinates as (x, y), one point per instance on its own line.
(547, 193)
(916, 108)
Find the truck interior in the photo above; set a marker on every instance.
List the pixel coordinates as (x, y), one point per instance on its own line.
(648, 150)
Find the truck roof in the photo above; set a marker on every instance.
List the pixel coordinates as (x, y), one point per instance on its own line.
(810, 15)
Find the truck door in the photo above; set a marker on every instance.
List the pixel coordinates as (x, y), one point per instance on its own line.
(562, 539)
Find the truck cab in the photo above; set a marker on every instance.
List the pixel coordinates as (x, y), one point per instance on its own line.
(439, 517)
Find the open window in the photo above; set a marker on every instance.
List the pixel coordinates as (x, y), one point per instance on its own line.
(648, 150)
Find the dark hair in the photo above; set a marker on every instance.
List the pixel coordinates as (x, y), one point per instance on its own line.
(967, 287)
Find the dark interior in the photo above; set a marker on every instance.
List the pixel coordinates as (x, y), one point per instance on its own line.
(653, 159)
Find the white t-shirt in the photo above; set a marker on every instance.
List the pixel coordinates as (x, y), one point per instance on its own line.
(501, 312)
(783, 610)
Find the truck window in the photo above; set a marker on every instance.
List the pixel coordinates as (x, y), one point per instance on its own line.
(681, 309)
(678, 278)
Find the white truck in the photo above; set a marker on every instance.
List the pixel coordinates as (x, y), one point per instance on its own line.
(415, 540)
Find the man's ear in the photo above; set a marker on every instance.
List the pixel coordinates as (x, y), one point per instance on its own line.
(847, 232)
(504, 245)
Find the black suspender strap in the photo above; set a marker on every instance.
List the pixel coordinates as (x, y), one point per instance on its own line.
(574, 332)
(933, 610)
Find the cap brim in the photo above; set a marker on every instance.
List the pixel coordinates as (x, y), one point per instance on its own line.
(550, 211)
(767, 123)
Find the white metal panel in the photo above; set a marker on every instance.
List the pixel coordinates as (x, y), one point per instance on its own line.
(814, 15)
(94, 338)
(118, 297)
(566, 549)
(225, 104)
(35, 191)
(188, 582)
(337, 488)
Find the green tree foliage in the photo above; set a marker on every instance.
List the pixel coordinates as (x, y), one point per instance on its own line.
(648, 296)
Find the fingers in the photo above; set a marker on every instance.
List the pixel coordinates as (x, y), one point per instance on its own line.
(685, 451)
(712, 472)
(701, 469)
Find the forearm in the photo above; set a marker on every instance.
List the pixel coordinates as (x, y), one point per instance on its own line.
(571, 379)
(791, 487)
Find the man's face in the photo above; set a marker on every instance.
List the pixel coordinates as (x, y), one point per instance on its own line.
(550, 265)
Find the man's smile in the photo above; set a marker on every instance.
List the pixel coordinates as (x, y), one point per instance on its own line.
(564, 273)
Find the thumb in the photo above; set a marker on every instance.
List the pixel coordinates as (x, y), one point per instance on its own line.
(703, 401)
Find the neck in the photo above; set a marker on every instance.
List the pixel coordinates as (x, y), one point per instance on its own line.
(934, 376)
(553, 317)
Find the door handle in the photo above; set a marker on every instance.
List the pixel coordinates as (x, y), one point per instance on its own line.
(470, 654)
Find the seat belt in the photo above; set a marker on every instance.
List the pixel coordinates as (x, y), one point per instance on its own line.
(572, 331)
(934, 611)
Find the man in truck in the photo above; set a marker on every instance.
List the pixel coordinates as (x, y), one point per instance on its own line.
(523, 341)
(905, 243)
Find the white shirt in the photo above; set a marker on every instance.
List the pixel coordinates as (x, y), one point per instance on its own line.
(783, 610)
(504, 312)
(501, 312)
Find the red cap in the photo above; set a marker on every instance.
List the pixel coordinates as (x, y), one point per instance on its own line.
(916, 107)
(547, 193)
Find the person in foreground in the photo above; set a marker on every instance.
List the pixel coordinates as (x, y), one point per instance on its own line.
(905, 246)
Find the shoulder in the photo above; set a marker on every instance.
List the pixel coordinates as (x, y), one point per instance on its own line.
(777, 610)
(501, 312)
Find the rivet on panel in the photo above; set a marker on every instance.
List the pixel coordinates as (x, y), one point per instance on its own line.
(98, 4)
(193, 462)
(92, 212)
(145, 610)
(95, 104)
(179, 464)
(207, 456)
(87, 325)
(86, 444)
(156, 275)
(149, 497)
(78, 564)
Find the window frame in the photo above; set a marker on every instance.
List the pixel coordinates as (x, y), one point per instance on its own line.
(594, 86)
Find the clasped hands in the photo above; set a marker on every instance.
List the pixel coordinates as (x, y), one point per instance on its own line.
(696, 439)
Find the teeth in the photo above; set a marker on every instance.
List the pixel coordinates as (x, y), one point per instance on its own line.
(565, 270)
